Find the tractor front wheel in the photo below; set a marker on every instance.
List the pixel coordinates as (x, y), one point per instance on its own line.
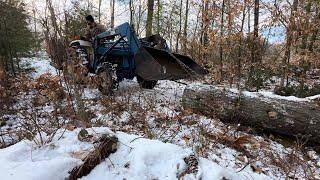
(146, 84)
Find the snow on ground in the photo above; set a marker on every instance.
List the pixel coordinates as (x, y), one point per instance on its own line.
(152, 114)
(40, 65)
(135, 158)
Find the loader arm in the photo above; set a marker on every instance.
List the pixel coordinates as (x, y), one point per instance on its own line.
(125, 31)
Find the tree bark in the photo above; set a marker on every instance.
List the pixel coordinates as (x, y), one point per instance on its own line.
(99, 11)
(290, 29)
(139, 17)
(249, 18)
(185, 29)
(158, 16)
(306, 25)
(255, 47)
(112, 13)
(205, 23)
(315, 29)
(180, 26)
(283, 117)
(221, 40)
(256, 18)
(131, 12)
(240, 43)
(149, 18)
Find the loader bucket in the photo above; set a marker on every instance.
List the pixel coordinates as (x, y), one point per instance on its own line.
(191, 64)
(157, 64)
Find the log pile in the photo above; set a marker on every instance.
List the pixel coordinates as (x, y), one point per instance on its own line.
(282, 116)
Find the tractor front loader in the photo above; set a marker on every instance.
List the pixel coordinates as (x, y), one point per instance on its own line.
(119, 54)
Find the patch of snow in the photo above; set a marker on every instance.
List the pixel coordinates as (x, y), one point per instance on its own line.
(41, 65)
(91, 93)
(26, 161)
(135, 158)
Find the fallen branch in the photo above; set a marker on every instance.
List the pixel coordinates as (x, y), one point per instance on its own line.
(107, 145)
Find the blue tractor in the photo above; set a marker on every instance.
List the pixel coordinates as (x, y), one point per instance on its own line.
(120, 54)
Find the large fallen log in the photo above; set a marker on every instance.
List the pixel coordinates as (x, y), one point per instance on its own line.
(297, 117)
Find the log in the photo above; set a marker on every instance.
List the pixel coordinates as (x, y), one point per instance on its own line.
(107, 145)
(275, 114)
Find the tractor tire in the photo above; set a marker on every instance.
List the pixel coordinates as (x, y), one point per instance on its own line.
(146, 84)
(105, 85)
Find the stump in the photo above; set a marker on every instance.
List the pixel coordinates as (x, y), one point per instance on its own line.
(285, 117)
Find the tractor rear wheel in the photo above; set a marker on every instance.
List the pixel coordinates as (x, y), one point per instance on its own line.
(146, 84)
(105, 84)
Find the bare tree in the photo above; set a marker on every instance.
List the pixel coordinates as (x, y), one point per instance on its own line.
(315, 29)
(99, 10)
(185, 29)
(158, 16)
(244, 7)
(131, 12)
(139, 16)
(180, 26)
(221, 39)
(149, 18)
(112, 13)
(289, 38)
(205, 22)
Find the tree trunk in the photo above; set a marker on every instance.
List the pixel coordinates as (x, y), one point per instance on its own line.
(53, 18)
(285, 117)
(139, 17)
(221, 40)
(180, 26)
(315, 29)
(35, 30)
(149, 18)
(290, 29)
(170, 26)
(240, 44)
(112, 13)
(306, 25)
(10, 54)
(185, 29)
(99, 11)
(158, 16)
(66, 27)
(249, 18)
(205, 22)
(131, 12)
(256, 18)
(254, 51)
(255, 45)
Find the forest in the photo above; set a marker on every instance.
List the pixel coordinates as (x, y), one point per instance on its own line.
(159, 89)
